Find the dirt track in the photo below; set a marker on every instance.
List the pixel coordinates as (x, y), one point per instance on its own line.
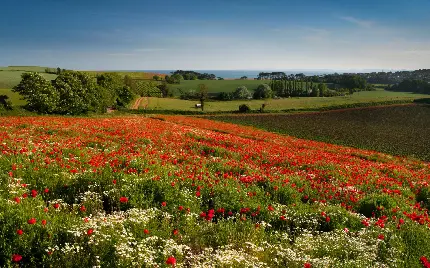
(142, 101)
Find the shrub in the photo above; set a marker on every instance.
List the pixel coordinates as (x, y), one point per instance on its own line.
(242, 93)
(244, 108)
(376, 204)
(263, 91)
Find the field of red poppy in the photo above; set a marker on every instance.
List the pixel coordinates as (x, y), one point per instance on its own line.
(397, 129)
(177, 191)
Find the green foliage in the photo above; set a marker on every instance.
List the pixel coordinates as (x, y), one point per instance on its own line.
(242, 93)
(244, 108)
(424, 196)
(263, 91)
(410, 85)
(78, 93)
(225, 96)
(374, 205)
(39, 94)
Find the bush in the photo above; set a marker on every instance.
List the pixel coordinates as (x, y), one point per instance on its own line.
(263, 91)
(376, 204)
(225, 96)
(244, 108)
(242, 93)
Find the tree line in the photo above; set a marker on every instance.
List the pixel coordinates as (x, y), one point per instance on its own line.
(73, 93)
(411, 85)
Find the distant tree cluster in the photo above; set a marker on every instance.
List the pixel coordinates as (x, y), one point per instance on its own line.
(73, 93)
(56, 71)
(241, 93)
(192, 75)
(411, 85)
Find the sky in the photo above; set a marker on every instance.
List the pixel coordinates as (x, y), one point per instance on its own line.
(216, 34)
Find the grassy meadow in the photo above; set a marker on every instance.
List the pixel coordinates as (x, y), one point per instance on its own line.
(283, 104)
(399, 130)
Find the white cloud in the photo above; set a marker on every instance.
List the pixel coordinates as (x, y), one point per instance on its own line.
(359, 22)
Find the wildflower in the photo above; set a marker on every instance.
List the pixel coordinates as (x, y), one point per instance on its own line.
(198, 193)
(114, 181)
(90, 232)
(123, 199)
(16, 258)
(17, 200)
(346, 230)
(171, 261)
(46, 209)
(31, 221)
(175, 232)
(180, 207)
(307, 265)
(381, 237)
(163, 204)
(146, 231)
(33, 193)
(270, 208)
(19, 232)
(43, 222)
(82, 208)
(24, 195)
(56, 205)
(46, 190)
(327, 219)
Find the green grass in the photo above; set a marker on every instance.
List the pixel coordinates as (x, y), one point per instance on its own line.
(15, 98)
(399, 130)
(11, 78)
(283, 104)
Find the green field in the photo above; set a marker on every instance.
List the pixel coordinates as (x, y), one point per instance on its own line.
(283, 104)
(11, 76)
(398, 130)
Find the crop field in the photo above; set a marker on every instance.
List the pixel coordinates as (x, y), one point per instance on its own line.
(283, 104)
(173, 191)
(399, 130)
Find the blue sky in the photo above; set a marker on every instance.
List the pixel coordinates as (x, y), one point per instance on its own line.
(217, 34)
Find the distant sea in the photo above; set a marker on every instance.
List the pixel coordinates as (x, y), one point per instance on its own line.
(232, 74)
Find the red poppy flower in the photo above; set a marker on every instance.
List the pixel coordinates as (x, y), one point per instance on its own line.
(327, 219)
(381, 237)
(17, 200)
(180, 207)
(307, 265)
(33, 193)
(146, 231)
(123, 199)
(56, 205)
(175, 232)
(83, 208)
(31, 221)
(16, 258)
(43, 222)
(163, 204)
(19, 232)
(114, 181)
(46, 190)
(90, 231)
(171, 261)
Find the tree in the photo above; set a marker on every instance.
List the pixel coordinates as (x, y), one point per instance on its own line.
(156, 77)
(165, 90)
(39, 93)
(244, 77)
(263, 91)
(79, 93)
(322, 88)
(242, 93)
(202, 93)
